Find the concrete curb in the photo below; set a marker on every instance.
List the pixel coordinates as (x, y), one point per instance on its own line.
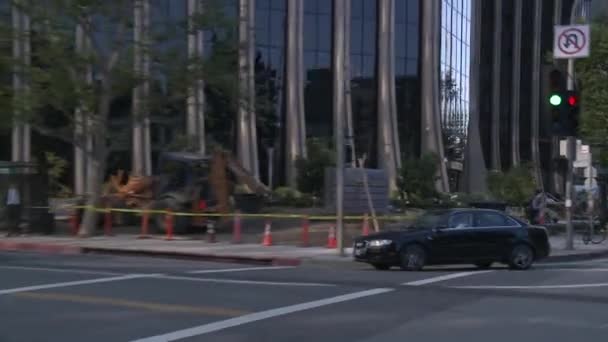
(576, 257)
(39, 247)
(47, 248)
(50, 248)
(237, 259)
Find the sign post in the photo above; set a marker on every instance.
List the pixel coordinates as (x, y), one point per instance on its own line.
(570, 42)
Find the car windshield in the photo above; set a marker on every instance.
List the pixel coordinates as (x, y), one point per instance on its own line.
(429, 220)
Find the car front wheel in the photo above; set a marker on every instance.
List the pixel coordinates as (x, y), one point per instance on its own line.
(521, 258)
(413, 258)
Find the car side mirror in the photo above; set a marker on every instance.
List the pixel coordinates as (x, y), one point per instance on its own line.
(439, 229)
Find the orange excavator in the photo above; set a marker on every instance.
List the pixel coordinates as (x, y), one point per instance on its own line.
(186, 182)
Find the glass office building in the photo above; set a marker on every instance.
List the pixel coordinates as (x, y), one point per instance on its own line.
(387, 62)
(454, 82)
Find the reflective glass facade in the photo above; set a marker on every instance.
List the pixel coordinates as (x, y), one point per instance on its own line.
(407, 75)
(455, 65)
(363, 83)
(317, 68)
(454, 82)
(270, 41)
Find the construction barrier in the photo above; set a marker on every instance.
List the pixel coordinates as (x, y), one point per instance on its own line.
(267, 241)
(365, 229)
(211, 232)
(305, 233)
(107, 223)
(332, 241)
(74, 225)
(243, 215)
(169, 225)
(236, 229)
(169, 222)
(145, 225)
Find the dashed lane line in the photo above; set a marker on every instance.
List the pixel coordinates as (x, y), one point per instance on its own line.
(244, 269)
(443, 278)
(130, 304)
(58, 270)
(530, 287)
(261, 315)
(234, 281)
(73, 283)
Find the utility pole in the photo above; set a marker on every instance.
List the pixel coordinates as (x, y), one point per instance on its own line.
(571, 150)
(338, 87)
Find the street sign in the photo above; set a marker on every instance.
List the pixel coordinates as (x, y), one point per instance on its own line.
(571, 41)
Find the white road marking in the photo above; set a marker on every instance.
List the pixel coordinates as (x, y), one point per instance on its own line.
(226, 270)
(258, 316)
(529, 287)
(572, 263)
(58, 270)
(232, 281)
(576, 269)
(442, 278)
(73, 283)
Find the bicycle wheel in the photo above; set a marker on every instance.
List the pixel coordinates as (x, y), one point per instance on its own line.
(594, 236)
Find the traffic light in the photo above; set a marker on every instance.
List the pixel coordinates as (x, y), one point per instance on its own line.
(555, 100)
(556, 87)
(572, 111)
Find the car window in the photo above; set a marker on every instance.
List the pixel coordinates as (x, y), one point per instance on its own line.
(430, 220)
(493, 220)
(461, 220)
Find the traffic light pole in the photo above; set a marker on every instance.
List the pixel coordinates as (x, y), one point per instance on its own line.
(571, 151)
(571, 155)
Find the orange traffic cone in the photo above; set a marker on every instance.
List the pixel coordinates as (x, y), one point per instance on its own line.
(332, 242)
(267, 235)
(365, 225)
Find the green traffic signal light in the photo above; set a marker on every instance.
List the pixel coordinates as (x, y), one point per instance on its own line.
(555, 100)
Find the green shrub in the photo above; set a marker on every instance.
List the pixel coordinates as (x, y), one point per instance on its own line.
(416, 179)
(286, 196)
(311, 170)
(515, 187)
(56, 168)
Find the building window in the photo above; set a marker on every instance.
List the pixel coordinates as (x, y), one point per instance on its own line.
(454, 82)
(270, 28)
(363, 81)
(407, 79)
(317, 68)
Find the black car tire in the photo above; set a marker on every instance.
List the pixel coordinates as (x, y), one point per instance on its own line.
(484, 264)
(381, 267)
(413, 258)
(521, 258)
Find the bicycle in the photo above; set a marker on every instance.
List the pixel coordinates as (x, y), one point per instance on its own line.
(594, 236)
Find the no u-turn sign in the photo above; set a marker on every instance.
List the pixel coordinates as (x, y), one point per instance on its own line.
(571, 41)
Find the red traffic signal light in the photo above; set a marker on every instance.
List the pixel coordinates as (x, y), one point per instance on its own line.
(572, 100)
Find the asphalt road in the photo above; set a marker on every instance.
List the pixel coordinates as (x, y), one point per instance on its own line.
(105, 298)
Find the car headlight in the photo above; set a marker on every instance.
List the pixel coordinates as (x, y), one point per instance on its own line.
(380, 243)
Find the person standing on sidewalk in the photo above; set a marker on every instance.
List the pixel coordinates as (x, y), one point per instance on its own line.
(13, 209)
(539, 203)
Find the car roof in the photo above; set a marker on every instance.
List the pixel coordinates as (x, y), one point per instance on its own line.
(456, 210)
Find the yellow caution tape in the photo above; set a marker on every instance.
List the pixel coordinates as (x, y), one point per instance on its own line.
(242, 215)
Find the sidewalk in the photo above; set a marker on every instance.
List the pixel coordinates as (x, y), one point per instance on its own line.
(225, 251)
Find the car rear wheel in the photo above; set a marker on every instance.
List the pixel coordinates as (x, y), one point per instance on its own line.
(522, 257)
(413, 258)
(381, 267)
(483, 264)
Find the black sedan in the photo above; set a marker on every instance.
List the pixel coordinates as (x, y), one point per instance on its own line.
(456, 236)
